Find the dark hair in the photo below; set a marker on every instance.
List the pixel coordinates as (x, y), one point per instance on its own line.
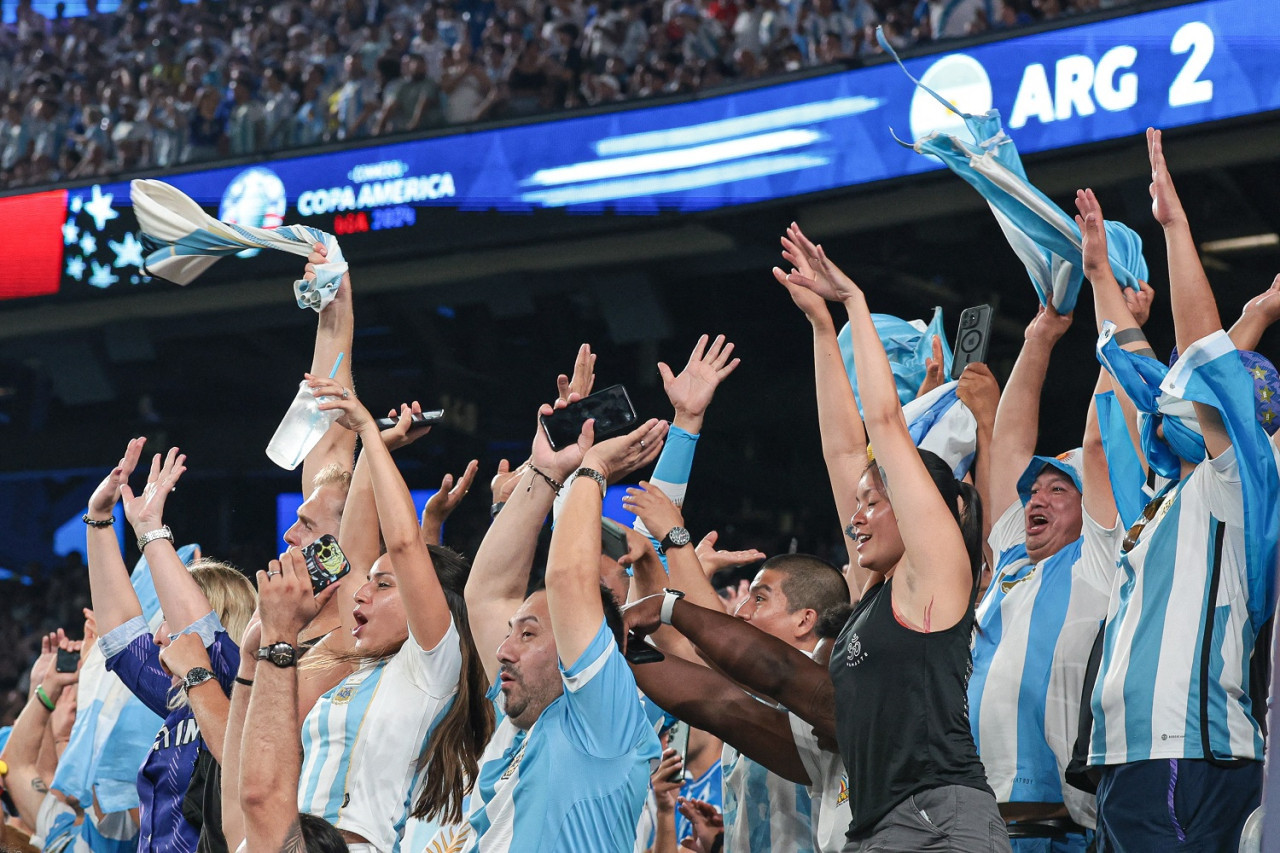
(451, 755)
(954, 492)
(320, 836)
(969, 517)
(612, 614)
(832, 620)
(809, 582)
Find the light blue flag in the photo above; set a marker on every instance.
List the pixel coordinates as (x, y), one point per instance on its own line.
(1046, 239)
(1141, 378)
(1124, 468)
(939, 422)
(908, 344)
(114, 731)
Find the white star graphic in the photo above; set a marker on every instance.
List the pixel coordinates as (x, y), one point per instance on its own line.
(76, 203)
(102, 275)
(128, 251)
(88, 243)
(100, 207)
(70, 233)
(75, 267)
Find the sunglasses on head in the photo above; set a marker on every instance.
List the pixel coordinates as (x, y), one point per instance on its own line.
(1131, 537)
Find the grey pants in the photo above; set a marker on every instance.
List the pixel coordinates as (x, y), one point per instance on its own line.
(952, 819)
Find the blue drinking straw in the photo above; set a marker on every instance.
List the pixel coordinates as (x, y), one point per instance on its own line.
(336, 365)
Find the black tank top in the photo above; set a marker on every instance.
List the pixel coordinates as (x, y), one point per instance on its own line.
(902, 708)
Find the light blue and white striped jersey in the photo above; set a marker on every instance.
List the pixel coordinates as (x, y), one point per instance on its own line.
(709, 788)
(1035, 627)
(828, 788)
(362, 740)
(1155, 675)
(762, 811)
(575, 781)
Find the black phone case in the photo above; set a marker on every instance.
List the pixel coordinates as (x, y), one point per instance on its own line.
(67, 661)
(611, 407)
(325, 562)
(972, 338)
(639, 651)
(424, 419)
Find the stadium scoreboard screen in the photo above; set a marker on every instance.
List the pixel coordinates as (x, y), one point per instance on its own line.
(1173, 67)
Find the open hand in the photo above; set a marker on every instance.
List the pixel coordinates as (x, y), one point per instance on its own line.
(1093, 238)
(706, 822)
(934, 368)
(146, 511)
(824, 278)
(584, 375)
(103, 500)
(690, 393)
(442, 504)
(713, 560)
(504, 481)
(1166, 207)
(617, 457)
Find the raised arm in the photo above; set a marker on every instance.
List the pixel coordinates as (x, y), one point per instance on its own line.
(269, 783)
(649, 577)
(692, 390)
(1017, 426)
(500, 571)
(707, 700)
(844, 439)
(758, 661)
(1098, 500)
(980, 393)
(1258, 315)
(573, 562)
(938, 579)
(210, 705)
(1195, 311)
(232, 814)
(181, 599)
(659, 514)
(334, 332)
(420, 589)
(113, 596)
(25, 782)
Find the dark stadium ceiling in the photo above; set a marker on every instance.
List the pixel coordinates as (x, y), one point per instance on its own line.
(484, 333)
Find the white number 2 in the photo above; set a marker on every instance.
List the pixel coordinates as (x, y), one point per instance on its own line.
(1186, 88)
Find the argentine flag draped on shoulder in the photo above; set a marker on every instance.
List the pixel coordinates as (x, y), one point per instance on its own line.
(182, 241)
(1045, 238)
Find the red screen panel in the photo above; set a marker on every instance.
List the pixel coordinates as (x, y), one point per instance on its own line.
(32, 229)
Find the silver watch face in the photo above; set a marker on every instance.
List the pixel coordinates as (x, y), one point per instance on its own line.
(678, 536)
(196, 676)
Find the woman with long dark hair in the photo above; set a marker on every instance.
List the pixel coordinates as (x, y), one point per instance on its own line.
(900, 667)
(402, 734)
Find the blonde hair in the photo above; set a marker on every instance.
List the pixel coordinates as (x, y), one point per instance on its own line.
(232, 599)
(332, 474)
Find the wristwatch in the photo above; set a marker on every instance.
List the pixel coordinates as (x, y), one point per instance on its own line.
(593, 474)
(196, 676)
(670, 597)
(161, 532)
(281, 654)
(677, 537)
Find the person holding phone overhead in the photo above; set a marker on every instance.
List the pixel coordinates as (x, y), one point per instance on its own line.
(403, 732)
(210, 600)
(900, 666)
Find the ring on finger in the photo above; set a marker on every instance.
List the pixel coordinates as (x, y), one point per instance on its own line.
(642, 444)
(346, 393)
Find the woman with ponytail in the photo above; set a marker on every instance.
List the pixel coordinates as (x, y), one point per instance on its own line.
(901, 664)
(401, 735)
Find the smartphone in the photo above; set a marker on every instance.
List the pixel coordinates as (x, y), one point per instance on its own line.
(68, 661)
(613, 539)
(418, 420)
(972, 338)
(678, 739)
(642, 651)
(610, 407)
(325, 562)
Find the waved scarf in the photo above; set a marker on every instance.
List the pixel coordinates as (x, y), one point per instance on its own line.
(182, 241)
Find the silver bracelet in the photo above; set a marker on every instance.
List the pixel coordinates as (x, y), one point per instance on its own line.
(162, 532)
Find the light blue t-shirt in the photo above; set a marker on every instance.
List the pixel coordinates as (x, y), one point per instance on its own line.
(576, 781)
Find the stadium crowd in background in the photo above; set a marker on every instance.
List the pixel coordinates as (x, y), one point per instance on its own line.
(168, 83)
(1031, 652)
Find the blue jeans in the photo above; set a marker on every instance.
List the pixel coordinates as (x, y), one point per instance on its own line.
(1182, 804)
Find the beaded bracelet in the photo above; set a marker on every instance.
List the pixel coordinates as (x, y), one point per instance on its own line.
(98, 522)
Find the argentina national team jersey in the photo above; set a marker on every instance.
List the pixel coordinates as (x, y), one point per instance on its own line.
(762, 811)
(575, 782)
(828, 788)
(1036, 625)
(362, 740)
(1154, 674)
